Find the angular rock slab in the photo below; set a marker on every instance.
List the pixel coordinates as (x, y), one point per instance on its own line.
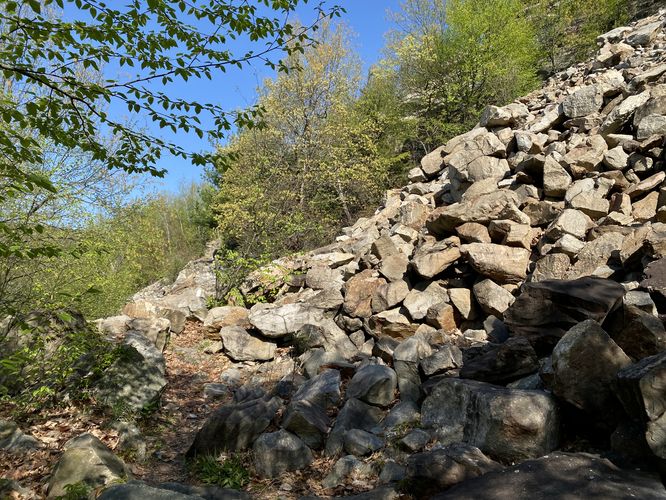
(500, 204)
(355, 414)
(276, 321)
(13, 440)
(506, 424)
(88, 461)
(278, 452)
(585, 362)
(444, 467)
(500, 263)
(136, 379)
(559, 476)
(545, 310)
(373, 384)
(642, 390)
(234, 427)
(509, 361)
(241, 346)
(308, 421)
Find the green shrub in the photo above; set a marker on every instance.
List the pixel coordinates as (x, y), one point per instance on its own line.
(227, 473)
(52, 357)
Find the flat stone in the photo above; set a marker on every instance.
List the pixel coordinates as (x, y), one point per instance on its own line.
(473, 232)
(584, 101)
(500, 204)
(587, 476)
(500, 263)
(505, 363)
(278, 452)
(506, 424)
(431, 259)
(432, 471)
(241, 346)
(219, 317)
(275, 321)
(545, 310)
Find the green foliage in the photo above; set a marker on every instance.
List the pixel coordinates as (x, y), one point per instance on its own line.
(227, 473)
(317, 162)
(54, 96)
(566, 29)
(76, 491)
(108, 257)
(231, 268)
(49, 358)
(451, 59)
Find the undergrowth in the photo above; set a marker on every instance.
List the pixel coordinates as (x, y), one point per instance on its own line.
(229, 472)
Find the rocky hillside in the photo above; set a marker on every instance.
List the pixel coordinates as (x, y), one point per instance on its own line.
(495, 330)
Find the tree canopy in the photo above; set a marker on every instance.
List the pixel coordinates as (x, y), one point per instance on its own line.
(55, 92)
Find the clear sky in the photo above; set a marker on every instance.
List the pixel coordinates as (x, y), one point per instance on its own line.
(367, 18)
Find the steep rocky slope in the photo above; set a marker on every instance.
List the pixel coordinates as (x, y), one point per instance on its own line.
(495, 330)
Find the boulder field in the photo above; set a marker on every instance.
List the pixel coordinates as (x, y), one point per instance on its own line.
(494, 330)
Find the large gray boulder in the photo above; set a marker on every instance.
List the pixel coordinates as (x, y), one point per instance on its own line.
(442, 468)
(322, 390)
(505, 363)
(641, 390)
(497, 262)
(241, 346)
(234, 427)
(639, 333)
(12, 439)
(584, 101)
(585, 362)
(157, 330)
(373, 384)
(88, 461)
(136, 379)
(278, 452)
(545, 310)
(355, 414)
(560, 476)
(506, 424)
(308, 421)
(275, 321)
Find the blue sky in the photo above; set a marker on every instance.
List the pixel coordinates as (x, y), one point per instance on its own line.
(367, 18)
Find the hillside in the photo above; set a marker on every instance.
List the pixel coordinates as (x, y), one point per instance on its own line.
(494, 330)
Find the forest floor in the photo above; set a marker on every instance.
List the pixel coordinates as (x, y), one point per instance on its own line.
(167, 432)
